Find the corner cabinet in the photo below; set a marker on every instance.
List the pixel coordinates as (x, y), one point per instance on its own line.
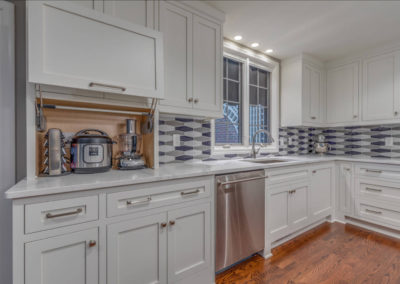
(86, 49)
(193, 61)
(303, 92)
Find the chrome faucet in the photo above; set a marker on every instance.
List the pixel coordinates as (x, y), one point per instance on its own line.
(271, 140)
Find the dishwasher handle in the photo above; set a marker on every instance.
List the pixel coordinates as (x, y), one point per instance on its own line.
(241, 180)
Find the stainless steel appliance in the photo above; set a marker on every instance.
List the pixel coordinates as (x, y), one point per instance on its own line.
(91, 152)
(240, 217)
(128, 158)
(54, 153)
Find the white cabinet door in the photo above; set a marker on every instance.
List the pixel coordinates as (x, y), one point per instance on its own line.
(321, 192)
(381, 90)
(89, 50)
(312, 94)
(278, 213)
(140, 12)
(137, 251)
(298, 206)
(342, 94)
(66, 259)
(207, 65)
(345, 189)
(176, 26)
(189, 241)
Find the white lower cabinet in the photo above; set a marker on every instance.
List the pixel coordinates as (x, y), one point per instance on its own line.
(345, 194)
(64, 259)
(137, 251)
(321, 192)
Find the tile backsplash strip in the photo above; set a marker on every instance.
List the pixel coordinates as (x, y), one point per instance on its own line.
(359, 141)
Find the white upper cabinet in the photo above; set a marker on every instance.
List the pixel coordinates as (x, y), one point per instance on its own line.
(302, 95)
(193, 60)
(342, 96)
(80, 48)
(381, 87)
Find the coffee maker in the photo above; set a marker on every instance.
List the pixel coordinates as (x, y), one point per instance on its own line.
(128, 158)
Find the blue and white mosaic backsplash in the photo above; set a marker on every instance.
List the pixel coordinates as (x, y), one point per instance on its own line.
(359, 141)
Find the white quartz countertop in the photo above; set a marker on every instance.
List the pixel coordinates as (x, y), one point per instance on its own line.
(80, 182)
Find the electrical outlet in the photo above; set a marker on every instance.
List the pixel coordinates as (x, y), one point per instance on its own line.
(176, 140)
(282, 141)
(290, 140)
(389, 141)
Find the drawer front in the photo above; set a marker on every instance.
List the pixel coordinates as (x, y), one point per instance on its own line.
(148, 197)
(375, 190)
(287, 175)
(59, 213)
(376, 171)
(379, 213)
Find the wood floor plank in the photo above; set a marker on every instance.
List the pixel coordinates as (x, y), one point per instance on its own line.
(330, 253)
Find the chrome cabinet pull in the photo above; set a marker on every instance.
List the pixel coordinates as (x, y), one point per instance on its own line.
(240, 180)
(92, 84)
(138, 202)
(183, 193)
(373, 211)
(373, 171)
(92, 243)
(373, 189)
(51, 216)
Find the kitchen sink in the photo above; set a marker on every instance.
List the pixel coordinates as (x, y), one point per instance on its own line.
(266, 161)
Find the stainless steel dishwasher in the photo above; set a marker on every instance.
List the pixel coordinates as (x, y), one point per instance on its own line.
(240, 217)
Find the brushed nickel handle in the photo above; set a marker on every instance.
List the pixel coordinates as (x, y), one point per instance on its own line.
(240, 180)
(92, 243)
(138, 202)
(183, 193)
(373, 211)
(190, 100)
(373, 171)
(196, 100)
(51, 216)
(313, 117)
(171, 223)
(163, 225)
(373, 189)
(92, 84)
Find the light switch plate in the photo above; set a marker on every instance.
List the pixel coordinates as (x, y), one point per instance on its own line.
(176, 140)
(389, 141)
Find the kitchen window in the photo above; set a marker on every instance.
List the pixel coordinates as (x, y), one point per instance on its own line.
(250, 102)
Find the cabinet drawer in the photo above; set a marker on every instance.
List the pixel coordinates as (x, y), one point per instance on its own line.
(379, 213)
(287, 175)
(59, 213)
(376, 190)
(148, 197)
(383, 172)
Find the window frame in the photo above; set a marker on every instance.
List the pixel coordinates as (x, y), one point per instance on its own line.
(249, 57)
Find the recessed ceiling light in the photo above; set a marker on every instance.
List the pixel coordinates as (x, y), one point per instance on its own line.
(255, 44)
(269, 51)
(238, 37)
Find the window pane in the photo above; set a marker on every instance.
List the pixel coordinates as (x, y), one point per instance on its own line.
(263, 97)
(233, 70)
(263, 78)
(253, 75)
(253, 95)
(225, 69)
(233, 91)
(225, 82)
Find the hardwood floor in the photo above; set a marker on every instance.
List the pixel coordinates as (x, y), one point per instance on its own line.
(330, 253)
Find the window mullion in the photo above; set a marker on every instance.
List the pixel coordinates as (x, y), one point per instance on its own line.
(245, 104)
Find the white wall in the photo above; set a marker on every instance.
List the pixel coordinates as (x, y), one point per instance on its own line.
(7, 140)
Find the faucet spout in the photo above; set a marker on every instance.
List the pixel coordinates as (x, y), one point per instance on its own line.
(270, 140)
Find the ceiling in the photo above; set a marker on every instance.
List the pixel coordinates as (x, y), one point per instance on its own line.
(325, 29)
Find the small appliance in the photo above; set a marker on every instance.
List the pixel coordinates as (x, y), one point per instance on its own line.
(320, 146)
(54, 152)
(128, 158)
(91, 151)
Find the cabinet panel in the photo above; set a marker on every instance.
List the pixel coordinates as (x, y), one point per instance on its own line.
(312, 80)
(345, 194)
(189, 241)
(63, 259)
(381, 91)
(321, 192)
(298, 207)
(342, 94)
(207, 60)
(176, 25)
(278, 214)
(139, 12)
(81, 51)
(137, 251)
